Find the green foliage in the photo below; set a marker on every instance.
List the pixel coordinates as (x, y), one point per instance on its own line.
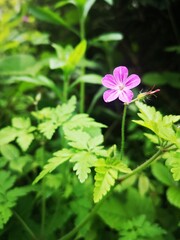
(106, 174)
(52, 118)
(21, 131)
(140, 228)
(174, 164)
(9, 196)
(161, 126)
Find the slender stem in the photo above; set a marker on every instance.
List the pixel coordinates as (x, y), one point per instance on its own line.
(140, 168)
(82, 96)
(86, 219)
(65, 87)
(26, 227)
(43, 211)
(122, 131)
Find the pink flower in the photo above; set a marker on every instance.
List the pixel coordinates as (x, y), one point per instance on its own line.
(120, 85)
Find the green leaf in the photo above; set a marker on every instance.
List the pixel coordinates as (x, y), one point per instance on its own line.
(24, 140)
(161, 126)
(7, 135)
(10, 152)
(8, 196)
(21, 123)
(173, 196)
(46, 15)
(162, 173)
(59, 158)
(153, 138)
(106, 174)
(155, 78)
(108, 37)
(82, 121)
(54, 117)
(89, 78)
(36, 80)
(87, 7)
(140, 228)
(143, 184)
(83, 162)
(173, 161)
(17, 64)
(77, 138)
(76, 56)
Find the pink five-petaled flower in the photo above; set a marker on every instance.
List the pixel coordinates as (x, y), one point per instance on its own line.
(120, 85)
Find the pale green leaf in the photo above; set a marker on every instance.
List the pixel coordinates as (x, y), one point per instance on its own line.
(24, 140)
(83, 162)
(161, 126)
(153, 138)
(162, 173)
(47, 128)
(7, 135)
(10, 152)
(143, 184)
(88, 78)
(59, 158)
(82, 120)
(107, 37)
(17, 64)
(173, 161)
(76, 55)
(21, 123)
(173, 196)
(77, 138)
(105, 177)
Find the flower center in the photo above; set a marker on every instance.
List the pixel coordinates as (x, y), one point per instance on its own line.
(121, 87)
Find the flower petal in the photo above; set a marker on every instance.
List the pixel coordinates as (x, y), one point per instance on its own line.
(132, 81)
(120, 74)
(110, 95)
(109, 81)
(126, 95)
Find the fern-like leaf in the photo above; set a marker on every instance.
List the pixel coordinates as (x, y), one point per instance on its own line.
(59, 158)
(83, 162)
(106, 174)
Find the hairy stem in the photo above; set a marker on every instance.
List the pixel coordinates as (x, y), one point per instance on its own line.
(122, 131)
(26, 227)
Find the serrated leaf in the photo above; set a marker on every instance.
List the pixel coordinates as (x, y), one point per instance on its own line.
(77, 138)
(21, 123)
(83, 120)
(24, 140)
(173, 196)
(162, 173)
(173, 160)
(7, 135)
(59, 158)
(83, 162)
(54, 117)
(106, 174)
(161, 126)
(10, 152)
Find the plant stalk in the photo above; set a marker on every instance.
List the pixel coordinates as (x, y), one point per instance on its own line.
(122, 131)
(26, 227)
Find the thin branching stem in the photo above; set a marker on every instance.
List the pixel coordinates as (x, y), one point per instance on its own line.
(123, 130)
(140, 168)
(26, 227)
